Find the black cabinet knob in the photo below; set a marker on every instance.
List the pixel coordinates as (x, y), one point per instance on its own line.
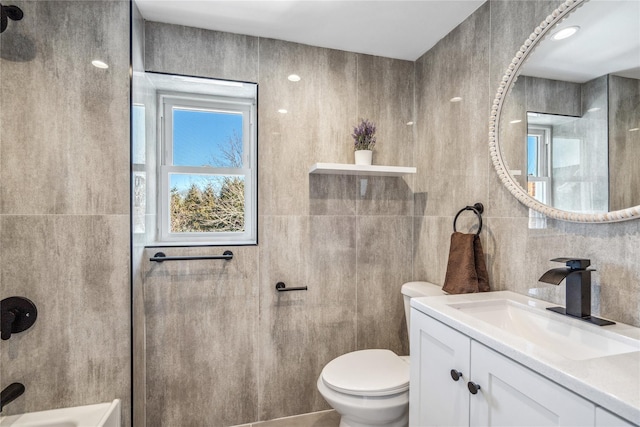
(456, 375)
(473, 387)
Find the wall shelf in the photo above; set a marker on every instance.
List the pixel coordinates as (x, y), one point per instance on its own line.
(351, 169)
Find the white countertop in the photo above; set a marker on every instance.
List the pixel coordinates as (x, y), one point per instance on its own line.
(612, 382)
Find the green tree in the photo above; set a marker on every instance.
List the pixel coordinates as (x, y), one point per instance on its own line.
(192, 207)
(229, 212)
(216, 206)
(178, 213)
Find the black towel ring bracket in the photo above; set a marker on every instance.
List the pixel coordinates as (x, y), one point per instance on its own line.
(477, 209)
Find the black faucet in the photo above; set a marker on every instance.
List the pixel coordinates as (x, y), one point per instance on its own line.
(578, 295)
(10, 393)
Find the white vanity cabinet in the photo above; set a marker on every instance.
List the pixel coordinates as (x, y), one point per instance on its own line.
(513, 395)
(605, 418)
(435, 399)
(509, 395)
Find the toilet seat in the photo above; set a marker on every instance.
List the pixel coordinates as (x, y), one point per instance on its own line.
(367, 373)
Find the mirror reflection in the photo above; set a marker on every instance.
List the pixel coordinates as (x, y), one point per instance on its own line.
(570, 124)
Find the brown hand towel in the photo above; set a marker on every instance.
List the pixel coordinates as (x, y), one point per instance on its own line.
(466, 269)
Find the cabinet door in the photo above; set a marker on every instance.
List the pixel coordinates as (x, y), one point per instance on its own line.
(512, 395)
(435, 399)
(605, 418)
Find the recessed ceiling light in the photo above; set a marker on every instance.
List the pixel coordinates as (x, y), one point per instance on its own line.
(634, 129)
(456, 99)
(565, 33)
(99, 64)
(294, 78)
(593, 110)
(282, 111)
(513, 122)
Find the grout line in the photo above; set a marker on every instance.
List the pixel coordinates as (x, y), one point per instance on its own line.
(357, 192)
(259, 281)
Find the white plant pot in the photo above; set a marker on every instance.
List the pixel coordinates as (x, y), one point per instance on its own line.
(363, 157)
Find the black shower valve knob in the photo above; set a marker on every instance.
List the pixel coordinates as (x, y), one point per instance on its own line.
(9, 12)
(17, 314)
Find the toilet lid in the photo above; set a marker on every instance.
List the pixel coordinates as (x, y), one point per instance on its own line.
(367, 373)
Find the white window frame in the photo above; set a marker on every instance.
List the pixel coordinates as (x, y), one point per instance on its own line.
(248, 108)
(543, 174)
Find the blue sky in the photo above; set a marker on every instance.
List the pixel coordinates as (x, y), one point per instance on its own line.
(198, 137)
(532, 158)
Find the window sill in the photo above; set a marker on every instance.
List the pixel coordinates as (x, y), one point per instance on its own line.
(155, 245)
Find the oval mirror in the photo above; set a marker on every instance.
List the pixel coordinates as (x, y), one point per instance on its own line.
(564, 130)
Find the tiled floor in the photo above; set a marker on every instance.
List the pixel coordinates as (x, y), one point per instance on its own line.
(316, 419)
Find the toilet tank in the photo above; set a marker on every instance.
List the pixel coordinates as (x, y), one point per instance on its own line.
(417, 289)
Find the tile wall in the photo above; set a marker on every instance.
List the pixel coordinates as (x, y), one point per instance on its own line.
(64, 213)
(64, 202)
(624, 146)
(454, 170)
(352, 242)
(532, 94)
(222, 346)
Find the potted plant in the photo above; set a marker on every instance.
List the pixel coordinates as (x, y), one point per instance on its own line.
(364, 140)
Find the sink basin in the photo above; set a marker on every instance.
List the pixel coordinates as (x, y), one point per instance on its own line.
(98, 415)
(551, 331)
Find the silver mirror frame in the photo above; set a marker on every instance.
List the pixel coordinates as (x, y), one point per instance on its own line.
(509, 78)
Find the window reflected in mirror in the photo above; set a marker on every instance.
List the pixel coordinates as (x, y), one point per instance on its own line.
(567, 162)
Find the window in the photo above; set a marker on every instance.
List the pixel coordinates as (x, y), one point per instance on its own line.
(538, 162)
(207, 171)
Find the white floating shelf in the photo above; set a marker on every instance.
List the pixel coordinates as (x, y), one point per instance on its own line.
(350, 169)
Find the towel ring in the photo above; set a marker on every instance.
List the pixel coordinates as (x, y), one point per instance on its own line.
(477, 209)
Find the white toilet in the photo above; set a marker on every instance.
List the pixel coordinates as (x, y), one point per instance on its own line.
(371, 387)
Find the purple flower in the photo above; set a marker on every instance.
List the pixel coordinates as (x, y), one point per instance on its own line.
(363, 135)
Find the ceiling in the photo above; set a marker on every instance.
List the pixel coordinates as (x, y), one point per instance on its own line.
(608, 42)
(398, 29)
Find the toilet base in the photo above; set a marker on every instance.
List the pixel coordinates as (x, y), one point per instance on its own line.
(389, 411)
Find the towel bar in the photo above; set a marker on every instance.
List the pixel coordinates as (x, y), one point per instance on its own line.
(477, 209)
(161, 257)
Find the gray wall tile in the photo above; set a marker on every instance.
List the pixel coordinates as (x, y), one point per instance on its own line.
(201, 320)
(332, 194)
(347, 244)
(307, 223)
(75, 269)
(552, 96)
(384, 264)
(301, 331)
(67, 135)
(390, 80)
(64, 202)
(448, 133)
(181, 50)
(604, 244)
(517, 256)
(624, 146)
(321, 109)
(384, 196)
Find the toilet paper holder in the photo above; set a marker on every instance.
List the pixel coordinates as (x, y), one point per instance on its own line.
(281, 287)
